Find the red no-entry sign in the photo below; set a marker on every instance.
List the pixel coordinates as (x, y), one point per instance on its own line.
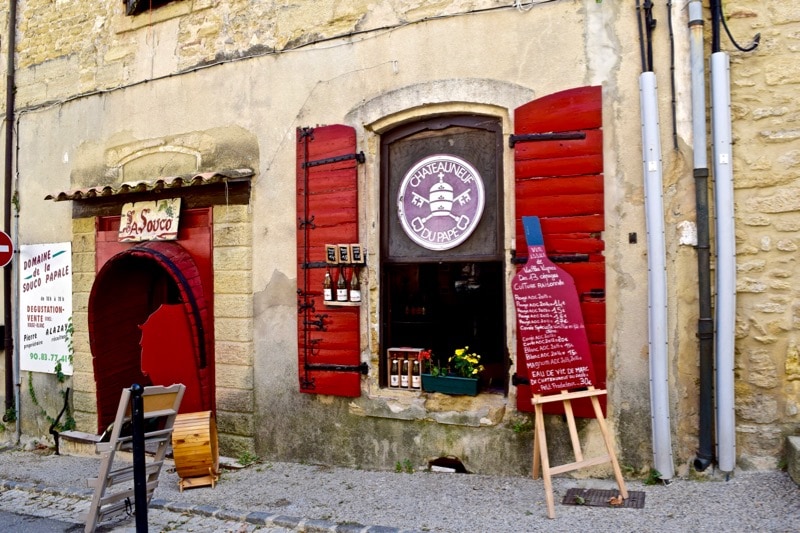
(6, 249)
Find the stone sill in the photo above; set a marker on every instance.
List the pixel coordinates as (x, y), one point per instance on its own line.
(485, 409)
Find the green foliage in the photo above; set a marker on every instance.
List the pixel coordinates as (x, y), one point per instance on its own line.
(462, 363)
(246, 458)
(465, 364)
(406, 466)
(653, 477)
(522, 425)
(69, 421)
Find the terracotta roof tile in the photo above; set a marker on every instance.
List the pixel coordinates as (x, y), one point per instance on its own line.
(160, 184)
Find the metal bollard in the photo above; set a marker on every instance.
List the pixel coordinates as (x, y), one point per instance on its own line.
(139, 467)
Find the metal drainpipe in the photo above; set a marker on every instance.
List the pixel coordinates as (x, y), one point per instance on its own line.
(7, 271)
(705, 323)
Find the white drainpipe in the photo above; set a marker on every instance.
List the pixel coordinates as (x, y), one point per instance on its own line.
(726, 259)
(657, 277)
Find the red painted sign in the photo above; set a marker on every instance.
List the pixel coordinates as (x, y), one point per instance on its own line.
(549, 321)
(6, 249)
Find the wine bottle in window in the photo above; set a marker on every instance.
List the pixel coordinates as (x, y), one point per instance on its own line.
(394, 372)
(415, 375)
(355, 287)
(404, 374)
(327, 286)
(341, 287)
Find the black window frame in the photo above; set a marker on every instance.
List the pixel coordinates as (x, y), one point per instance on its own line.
(491, 258)
(136, 7)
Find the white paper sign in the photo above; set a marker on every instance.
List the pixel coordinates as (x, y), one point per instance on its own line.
(45, 306)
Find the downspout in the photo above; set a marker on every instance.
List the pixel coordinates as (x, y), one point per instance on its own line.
(721, 139)
(705, 322)
(10, 367)
(656, 262)
(726, 248)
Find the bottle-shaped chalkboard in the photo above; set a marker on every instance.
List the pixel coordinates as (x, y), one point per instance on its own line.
(550, 325)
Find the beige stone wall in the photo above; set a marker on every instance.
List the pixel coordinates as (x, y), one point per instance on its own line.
(84, 401)
(766, 131)
(233, 327)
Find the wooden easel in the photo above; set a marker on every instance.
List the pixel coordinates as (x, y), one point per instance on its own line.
(540, 458)
(158, 402)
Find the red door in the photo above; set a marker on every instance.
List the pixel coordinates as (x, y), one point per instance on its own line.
(133, 281)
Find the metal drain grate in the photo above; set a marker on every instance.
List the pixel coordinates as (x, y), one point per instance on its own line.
(599, 498)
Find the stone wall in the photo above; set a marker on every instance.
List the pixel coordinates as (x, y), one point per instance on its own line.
(233, 327)
(766, 130)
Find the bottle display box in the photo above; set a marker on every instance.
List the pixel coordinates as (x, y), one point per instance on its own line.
(404, 369)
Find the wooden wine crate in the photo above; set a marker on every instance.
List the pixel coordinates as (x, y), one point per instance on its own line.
(403, 354)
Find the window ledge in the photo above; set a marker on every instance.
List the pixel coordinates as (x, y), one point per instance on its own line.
(169, 11)
(486, 409)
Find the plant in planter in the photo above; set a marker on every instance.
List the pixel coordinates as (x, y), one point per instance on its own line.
(460, 376)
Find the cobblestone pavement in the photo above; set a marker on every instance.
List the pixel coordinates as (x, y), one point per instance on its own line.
(35, 500)
(282, 497)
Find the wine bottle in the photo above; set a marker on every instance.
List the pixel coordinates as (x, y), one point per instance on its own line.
(404, 374)
(341, 287)
(394, 372)
(355, 287)
(327, 286)
(415, 375)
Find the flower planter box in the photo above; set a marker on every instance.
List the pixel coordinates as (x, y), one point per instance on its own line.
(450, 384)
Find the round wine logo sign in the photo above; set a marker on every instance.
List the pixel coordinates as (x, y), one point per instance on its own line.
(440, 201)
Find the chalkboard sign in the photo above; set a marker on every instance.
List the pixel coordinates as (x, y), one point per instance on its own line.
(330, 254)
(344, 254)
(549, 321)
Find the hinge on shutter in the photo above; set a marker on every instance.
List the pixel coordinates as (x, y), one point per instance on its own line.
(316, 264)
(319, 323)
(307, 382)
(362, 368)
(518, 380)
(533, 137)
(303, 302)
(302, 223)
(359, 157)
(567, 258)
(594, 294)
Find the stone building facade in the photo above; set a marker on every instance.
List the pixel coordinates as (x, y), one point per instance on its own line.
(202, 87)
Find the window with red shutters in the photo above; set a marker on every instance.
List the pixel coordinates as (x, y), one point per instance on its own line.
(328, 343)
(558, 168)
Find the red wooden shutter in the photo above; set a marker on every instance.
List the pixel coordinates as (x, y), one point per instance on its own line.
(558, 165)
(328, 341)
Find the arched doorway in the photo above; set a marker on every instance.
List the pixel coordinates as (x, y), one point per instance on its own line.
(158, 283)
